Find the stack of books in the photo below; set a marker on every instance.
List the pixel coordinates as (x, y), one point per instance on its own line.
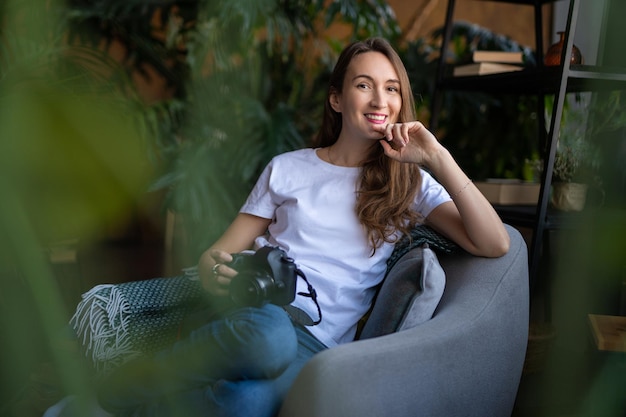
(491, 62)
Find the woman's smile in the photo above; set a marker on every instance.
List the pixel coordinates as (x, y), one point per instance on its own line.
(376, 118)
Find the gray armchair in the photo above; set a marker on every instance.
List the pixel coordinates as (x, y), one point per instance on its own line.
(465, 361)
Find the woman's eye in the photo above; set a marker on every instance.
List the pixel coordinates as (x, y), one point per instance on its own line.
(393, 89)
(362, 85)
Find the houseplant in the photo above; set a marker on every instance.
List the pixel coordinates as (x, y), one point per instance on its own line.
(573, 167)
(247, 82)
(588, 155)
(71, 161)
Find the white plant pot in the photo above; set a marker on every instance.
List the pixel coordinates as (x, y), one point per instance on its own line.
(569, 196)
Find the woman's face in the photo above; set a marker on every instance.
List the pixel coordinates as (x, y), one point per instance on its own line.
(370, 96)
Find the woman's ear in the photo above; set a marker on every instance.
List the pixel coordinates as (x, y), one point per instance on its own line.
(333, 99)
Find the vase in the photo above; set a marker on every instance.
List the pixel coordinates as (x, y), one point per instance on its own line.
(553, 55)
(568, 196)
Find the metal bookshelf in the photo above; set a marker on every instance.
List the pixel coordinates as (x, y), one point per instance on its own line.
(541, 81)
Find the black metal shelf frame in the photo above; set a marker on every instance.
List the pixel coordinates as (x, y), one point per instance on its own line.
(541, 81)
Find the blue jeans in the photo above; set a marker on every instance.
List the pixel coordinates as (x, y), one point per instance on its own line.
(240, 365)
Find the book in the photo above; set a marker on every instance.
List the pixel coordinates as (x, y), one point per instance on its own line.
(510, 57)
(482, 68)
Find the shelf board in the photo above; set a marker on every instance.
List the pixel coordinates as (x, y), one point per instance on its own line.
(589, 77)
(541, 80)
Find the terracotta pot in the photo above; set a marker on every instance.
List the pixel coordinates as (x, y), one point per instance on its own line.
(569, 196)
(553, 55)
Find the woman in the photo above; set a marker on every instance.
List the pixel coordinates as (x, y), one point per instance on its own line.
(337, 209)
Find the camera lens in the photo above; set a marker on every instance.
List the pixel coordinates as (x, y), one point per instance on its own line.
(251, 289)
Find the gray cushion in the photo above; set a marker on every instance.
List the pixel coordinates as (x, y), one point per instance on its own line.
(409, 294)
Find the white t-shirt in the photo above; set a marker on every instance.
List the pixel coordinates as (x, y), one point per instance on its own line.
(312, 207)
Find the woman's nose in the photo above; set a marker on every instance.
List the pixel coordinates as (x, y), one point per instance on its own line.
(378, 99)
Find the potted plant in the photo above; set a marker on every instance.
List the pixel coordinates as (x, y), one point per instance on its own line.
(576, 160)
(573, 169)
(587, 153)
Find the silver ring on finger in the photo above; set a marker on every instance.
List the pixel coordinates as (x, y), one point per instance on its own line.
(214, 269)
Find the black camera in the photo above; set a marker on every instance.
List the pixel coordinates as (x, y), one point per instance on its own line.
(266, 276)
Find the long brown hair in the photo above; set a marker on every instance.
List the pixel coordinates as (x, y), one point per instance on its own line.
(387, 188)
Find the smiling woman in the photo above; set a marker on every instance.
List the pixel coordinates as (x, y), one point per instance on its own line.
(337, 210)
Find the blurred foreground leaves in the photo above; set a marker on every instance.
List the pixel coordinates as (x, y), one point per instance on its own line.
(72, 159)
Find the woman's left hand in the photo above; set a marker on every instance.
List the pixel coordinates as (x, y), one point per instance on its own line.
(409, 142)
(469, 219)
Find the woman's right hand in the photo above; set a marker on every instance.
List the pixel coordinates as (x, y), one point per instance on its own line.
(215, 275)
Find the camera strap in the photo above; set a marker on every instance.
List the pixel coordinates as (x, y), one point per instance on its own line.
(299, 315)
